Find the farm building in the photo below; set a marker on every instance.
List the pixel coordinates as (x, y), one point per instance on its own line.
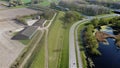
(39, 23)
(26, 33)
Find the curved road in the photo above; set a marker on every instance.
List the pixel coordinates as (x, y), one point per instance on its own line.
(73, 41)
(72, 53)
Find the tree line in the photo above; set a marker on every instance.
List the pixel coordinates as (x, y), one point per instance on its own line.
(114, 5)
(85, 8)
(90, 40)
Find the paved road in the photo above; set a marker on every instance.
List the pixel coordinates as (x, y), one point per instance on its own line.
(72, 53)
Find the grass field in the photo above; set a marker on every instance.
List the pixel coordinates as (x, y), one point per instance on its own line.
(58, 41)
(55, 41)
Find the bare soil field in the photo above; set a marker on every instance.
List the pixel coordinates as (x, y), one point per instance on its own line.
(9, 49)
(12, 13)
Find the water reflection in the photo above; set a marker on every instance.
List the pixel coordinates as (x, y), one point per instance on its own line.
(110, 57)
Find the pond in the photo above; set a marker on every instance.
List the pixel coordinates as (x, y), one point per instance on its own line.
(110, 57)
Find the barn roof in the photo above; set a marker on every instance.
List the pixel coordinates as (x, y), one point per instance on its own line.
(28, 31)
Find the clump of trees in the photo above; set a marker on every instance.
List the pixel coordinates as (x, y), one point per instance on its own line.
(91, 41)
(71, 16)
(106, 21)
(48, 14)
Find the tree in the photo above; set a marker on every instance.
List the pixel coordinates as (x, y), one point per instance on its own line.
(53, 5)
(104, 21)
(95, 22)
(91, 41)
(72, 16)
(48, 14)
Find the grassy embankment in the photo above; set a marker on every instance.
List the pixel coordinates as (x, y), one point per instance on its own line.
(82, 49)
(26, 50)
(58, 46)
(58, 41)
(37, 60)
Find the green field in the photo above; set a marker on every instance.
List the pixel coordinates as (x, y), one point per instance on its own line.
(39, 59)
(26, 1)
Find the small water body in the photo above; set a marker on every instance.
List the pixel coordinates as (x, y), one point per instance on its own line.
(110, 57)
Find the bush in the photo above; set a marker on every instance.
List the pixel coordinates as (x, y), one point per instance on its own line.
(95, 51)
